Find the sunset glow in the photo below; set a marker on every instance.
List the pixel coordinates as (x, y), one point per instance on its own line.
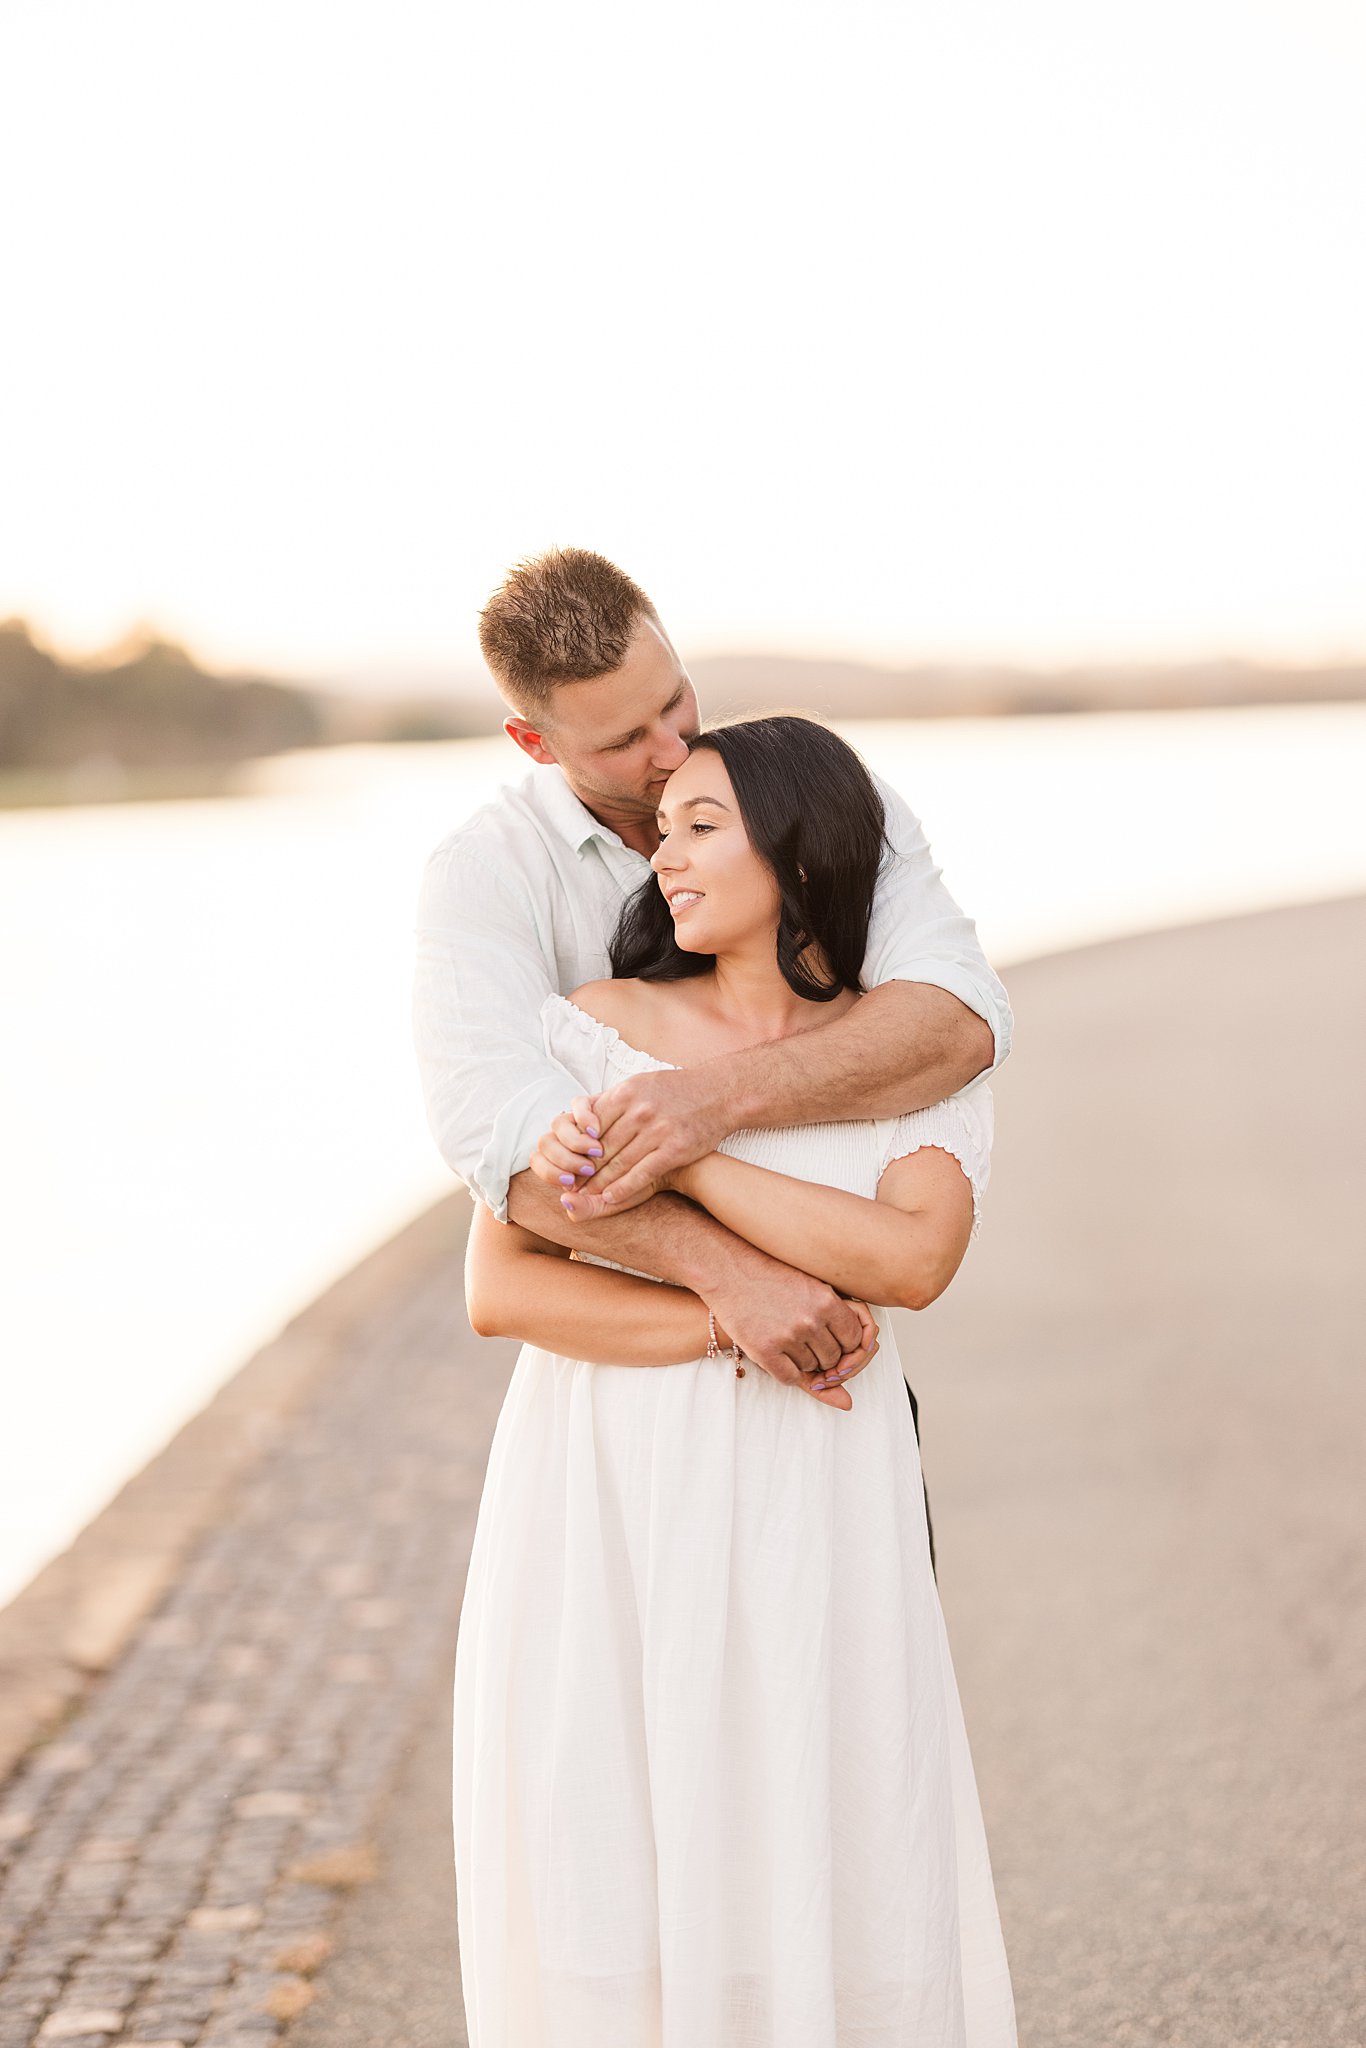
(898, 331)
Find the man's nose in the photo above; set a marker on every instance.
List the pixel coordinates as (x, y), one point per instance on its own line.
(671, 752)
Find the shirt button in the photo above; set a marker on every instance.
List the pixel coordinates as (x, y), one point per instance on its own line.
(739, 1372)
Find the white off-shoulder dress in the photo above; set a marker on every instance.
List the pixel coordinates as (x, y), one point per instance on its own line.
(712, 1787)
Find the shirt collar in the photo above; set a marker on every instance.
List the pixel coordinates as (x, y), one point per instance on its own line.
(572, 819)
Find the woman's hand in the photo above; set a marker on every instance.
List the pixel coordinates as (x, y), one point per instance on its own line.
(568, 1153)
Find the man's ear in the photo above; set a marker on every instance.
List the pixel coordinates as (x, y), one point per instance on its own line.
(529, 740)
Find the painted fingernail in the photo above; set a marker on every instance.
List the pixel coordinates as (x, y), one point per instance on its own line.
(586, 1168)
(593, 1131)
(595, 1151)
(566, 1180)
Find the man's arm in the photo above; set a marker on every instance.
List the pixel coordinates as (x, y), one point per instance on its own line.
(481, 976)
(919, 934)
(784, 1320)
(902, 1047)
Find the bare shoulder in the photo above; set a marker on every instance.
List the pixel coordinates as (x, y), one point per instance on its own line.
(656, 1018)
(621, 1004)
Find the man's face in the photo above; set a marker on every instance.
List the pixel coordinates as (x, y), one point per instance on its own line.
(620, 736)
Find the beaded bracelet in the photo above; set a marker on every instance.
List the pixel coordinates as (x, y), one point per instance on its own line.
(732, 1352)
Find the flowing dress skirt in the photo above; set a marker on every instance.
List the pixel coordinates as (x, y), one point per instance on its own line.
(711, 1782)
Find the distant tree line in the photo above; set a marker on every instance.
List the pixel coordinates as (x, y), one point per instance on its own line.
(151, 704)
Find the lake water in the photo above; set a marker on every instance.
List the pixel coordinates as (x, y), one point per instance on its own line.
(208, 1098)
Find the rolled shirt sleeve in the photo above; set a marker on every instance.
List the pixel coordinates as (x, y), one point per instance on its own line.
(918, 933)
(482, 973)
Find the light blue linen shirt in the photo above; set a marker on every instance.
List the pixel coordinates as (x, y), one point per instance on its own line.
(521, 901)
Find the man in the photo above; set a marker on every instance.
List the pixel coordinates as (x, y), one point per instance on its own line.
(521, 900)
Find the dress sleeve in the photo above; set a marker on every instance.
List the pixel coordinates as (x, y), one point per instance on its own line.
(961, 1124)
(578, 1043)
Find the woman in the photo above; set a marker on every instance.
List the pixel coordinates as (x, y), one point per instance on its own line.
(712, 1787)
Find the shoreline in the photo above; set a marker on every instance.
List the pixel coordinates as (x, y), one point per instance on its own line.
(207, 1081)
(102, 781)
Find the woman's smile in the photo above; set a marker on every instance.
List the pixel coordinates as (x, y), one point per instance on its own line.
(703, 839)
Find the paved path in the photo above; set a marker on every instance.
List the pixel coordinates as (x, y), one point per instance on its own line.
(1144, 1408)
(1142, 1405)
(172, 1854)
(1144, 1417)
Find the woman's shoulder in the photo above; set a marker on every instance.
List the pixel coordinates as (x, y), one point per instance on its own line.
(618, 1003)
(961, 1125)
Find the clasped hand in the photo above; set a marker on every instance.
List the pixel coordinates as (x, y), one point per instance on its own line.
(606, 1153)
(628, 1140)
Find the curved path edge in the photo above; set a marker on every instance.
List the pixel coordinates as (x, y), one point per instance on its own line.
(72, 1621)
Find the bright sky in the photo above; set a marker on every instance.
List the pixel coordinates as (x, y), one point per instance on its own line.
(894, 327)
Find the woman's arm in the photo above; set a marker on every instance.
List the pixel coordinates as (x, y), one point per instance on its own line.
(521, 1285)
(901, 1250)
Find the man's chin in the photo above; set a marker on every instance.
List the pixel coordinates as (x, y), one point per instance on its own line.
(625, 803)
(643, 801)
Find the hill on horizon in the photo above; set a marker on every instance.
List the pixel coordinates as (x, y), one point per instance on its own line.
(72, 730)
(731, 683)
(460, 701)
(147, 703)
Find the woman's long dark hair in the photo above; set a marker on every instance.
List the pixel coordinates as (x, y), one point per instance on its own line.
(811, 809)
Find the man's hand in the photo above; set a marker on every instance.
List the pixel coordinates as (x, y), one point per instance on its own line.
(647, 1127)
(799, 1340)
(829, 1387)
(796, 1328)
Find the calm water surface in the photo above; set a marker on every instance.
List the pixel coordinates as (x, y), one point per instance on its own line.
(207, 1091)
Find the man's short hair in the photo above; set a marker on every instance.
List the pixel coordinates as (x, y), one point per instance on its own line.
(561, 617)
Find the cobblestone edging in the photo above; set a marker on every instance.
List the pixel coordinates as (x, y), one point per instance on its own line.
(171, 1857)
(73, 1620)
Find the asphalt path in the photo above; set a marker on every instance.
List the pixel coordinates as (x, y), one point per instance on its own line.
(1143, 1413)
